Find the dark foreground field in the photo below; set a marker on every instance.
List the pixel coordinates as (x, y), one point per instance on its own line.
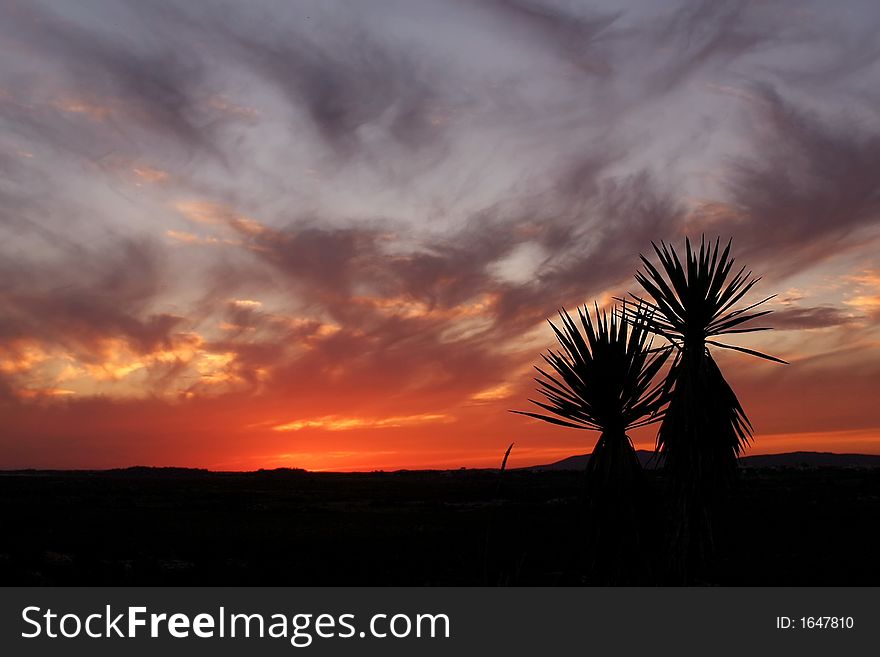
(152, 527)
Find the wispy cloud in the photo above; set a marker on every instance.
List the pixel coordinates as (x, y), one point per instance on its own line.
(337, 423)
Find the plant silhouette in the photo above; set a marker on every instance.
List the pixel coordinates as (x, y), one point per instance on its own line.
(603, 381)
(704, 427)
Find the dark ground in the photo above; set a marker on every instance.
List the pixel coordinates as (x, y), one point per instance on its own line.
(153, 527)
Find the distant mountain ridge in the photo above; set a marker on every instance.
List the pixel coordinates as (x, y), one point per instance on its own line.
(651, 461)
(648, 460)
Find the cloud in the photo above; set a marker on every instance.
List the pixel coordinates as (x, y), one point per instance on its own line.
(571, 32)
(702, 34)
(345, 90)
(76, 303)
(336, 423)
(109, 77)
(865, 295)
(150, 175)
(795, 318)
(807, 189)
(92, 316)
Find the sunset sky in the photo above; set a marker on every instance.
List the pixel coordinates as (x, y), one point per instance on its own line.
(328, 234)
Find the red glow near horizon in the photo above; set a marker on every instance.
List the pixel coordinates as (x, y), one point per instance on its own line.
(227, 435)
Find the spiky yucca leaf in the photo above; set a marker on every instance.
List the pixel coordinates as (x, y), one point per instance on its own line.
(604, 374)
(603, 378)
(693, 302)
(689, 304)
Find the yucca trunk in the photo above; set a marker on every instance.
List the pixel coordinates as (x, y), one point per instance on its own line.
(615, 487)
(699, 443)
(613, 469)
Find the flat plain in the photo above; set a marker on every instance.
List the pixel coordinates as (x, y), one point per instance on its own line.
(143, 526)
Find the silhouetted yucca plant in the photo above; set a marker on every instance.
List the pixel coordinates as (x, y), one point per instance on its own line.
(603, 379)
(691, 304)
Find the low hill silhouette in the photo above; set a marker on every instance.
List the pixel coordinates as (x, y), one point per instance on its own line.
(811, 460)
(651, 461)
(647, 459)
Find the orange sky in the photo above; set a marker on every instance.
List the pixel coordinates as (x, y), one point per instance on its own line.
(383, 426)
(334, 244)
